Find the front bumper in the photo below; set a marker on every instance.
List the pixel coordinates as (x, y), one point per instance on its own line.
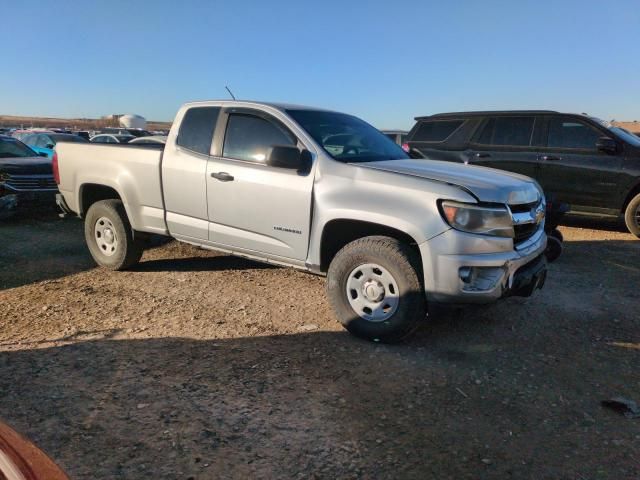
(490, 268)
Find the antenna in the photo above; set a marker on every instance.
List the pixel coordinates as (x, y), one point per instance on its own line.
(230, 92)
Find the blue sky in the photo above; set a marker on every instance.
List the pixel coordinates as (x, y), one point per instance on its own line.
(384, 61)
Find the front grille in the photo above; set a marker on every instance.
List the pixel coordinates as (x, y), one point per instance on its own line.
(524, 232)
(31, 183)
(526, 220)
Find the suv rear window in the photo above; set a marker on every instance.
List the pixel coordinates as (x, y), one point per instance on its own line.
(507, 131)
(436, 130)
(196, 129)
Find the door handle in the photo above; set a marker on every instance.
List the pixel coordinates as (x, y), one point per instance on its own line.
(482, 155)
(550, 158)
(222, 176)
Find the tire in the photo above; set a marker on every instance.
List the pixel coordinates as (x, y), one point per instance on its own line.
(632, 216)
(110, 237)
(554, 248)
(556, 234)
(393, 294)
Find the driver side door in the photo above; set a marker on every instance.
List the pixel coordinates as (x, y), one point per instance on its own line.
(254, 207)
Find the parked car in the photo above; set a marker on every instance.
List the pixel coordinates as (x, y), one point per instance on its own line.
(109, 138)
(580, 160)
(398, 136)
(274, 183)
(136, 132)
(84, 134)
(151, 140)
(20, 459)
(24, 176)
(45, 142)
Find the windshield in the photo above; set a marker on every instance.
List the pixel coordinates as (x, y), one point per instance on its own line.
(347, 138)
(626, 136)
(12, 148)
(621, 133)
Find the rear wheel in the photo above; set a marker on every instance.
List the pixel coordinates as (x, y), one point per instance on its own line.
(375, 289)
(632, 216)
(110, 237)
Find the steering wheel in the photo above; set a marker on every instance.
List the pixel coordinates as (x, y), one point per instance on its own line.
(349, 148)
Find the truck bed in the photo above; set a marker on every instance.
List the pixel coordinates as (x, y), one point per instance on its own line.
(133, 171)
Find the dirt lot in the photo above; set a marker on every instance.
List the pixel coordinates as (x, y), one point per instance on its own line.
(196, 365)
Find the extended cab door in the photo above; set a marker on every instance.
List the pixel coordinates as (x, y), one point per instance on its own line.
(252, 206)
(184, 179)
(574, 170)
(507, 143)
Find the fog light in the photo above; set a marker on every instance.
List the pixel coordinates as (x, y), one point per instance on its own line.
(465, 274)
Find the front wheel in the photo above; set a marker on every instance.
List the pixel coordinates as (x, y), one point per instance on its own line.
(632, 216)
(110, 237)
(375, 289)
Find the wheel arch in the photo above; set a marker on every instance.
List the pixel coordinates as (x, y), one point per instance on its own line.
(340, 231)
(90, 193)
(635, 190)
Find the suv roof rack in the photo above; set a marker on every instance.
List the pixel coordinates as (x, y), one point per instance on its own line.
(485, 112)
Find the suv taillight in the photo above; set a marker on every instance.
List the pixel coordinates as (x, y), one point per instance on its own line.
(405, 147)
(54, 165)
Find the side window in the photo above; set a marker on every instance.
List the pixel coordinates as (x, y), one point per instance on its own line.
(507, 131)
(249, 137)
(570, 133)
(197, 127)
(436, 130)
(28, 139)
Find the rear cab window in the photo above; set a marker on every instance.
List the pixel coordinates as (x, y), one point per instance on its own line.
(506, 131)
(196, 129)
(435, 130)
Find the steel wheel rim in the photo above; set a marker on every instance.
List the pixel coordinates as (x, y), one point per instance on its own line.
(372, 292)
(105, 236)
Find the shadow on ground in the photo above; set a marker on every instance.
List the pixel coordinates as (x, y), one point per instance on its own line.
(318, 404)
(198, 264)
(606, 224)
(41, 247)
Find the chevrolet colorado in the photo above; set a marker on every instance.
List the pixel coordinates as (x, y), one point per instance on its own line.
(320, 191)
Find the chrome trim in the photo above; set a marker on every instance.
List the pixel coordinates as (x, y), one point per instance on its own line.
(30, 183)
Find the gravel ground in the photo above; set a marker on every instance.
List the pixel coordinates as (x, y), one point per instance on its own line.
(198, 365)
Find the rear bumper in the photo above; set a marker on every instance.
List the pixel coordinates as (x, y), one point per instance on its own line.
(62, 205)
(492, 268)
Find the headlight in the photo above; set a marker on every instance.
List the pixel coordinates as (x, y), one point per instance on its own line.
(478, 219)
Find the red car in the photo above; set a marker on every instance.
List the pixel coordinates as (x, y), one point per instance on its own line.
(22, 460)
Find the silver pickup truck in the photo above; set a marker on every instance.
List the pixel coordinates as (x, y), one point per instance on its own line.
(320, 191)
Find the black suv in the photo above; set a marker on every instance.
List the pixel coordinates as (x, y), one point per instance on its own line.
(580, 160)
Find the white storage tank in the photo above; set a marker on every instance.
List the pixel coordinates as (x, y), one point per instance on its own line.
(133, 121)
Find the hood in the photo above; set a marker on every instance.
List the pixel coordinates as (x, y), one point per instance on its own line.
(486, 184)
(26, 165)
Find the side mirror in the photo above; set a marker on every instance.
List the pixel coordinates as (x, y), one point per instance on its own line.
(50, 146)
(607, 145)
(286, 156)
